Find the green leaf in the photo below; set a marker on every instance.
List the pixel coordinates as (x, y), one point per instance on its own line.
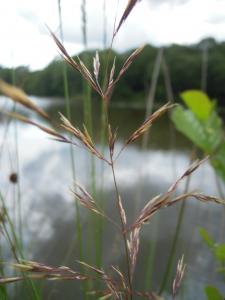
(212, 293)
(206, 237)
(3, 293)
(199, 103)
(206, 135)
(218, 161)
(214, 131)
(220, 252)
(187, 123)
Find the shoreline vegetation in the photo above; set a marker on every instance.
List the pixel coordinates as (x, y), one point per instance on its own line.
(184, 64)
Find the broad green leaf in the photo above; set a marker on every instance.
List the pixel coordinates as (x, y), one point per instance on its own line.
(187, 123)
(212, 293)
(207, 136)
(199, 103)
(202, 125)
(214, 131)
(220, 252)
(218, 161)
(206, 237)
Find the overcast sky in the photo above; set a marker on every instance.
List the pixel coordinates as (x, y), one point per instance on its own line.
(25, 40)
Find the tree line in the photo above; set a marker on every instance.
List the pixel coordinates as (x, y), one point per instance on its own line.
(184, 65)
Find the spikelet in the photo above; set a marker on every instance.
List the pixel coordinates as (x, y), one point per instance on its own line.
(86, 199)
(111, 140)
(37, 270)
(133, 247)
(122, 212)
(18, 95)
(126, 65)
(112, 286)
(79, 66)
(127, 11)
(54, 134)
(145, 126)
(162, 201)
(179, 276)
(83, 137)
(148, 123)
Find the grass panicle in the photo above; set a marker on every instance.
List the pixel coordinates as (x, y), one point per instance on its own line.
(118, 283)
(92, 79)
(167, 199)
(131, 233)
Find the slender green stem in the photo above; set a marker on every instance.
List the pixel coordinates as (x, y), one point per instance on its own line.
(104, 25)
(93, 228)
(176, 236)
(15, 245)
(78, 228)
(149, 108)
(222, 196)
(20, 223)
(152, 245)
(20, 218)
(68, 112)
(173, 249)
(93, 220)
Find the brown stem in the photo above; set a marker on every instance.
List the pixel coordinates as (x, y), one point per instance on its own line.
(122, 230)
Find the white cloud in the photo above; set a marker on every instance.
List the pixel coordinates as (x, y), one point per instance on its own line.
(170, 2)
(25, 40)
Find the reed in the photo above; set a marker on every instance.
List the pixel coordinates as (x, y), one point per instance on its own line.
(77, 218)
(181, 213)
(15, 246)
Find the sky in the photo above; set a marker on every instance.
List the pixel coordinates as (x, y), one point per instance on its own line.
(25, 39)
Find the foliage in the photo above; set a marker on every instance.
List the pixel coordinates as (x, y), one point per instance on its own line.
(184, 64)
(203, 126)
(218, 251)
(212, 293)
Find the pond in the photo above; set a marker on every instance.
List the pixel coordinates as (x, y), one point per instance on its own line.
(48, 207)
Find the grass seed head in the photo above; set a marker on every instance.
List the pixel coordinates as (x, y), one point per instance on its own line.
(18, 95)
(127, 11)
(179, 276)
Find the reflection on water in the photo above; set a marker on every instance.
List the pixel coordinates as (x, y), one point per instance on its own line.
(48, 208)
